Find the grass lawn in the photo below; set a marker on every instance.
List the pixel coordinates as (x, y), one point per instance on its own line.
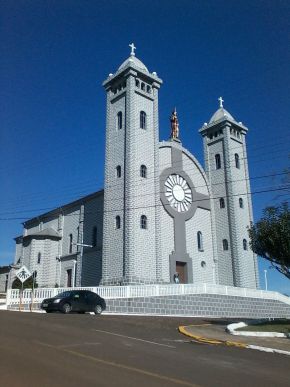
(269, 326)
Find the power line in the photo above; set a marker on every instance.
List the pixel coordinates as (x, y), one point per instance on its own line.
(152, 193)
(155, 205)
(137, 183)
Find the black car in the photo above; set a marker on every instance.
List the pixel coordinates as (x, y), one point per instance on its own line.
(80, 301)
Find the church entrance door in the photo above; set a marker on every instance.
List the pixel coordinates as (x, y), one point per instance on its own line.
(181, 270)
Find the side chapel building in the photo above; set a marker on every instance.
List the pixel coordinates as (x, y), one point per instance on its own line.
(160, 212)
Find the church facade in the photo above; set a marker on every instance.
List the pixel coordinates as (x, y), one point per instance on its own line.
(161, 217)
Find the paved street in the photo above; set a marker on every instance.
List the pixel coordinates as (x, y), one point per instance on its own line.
(85, 350)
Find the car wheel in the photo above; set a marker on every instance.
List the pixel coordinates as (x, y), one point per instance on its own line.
(48, 311)
(81, 312)
(98, 309)
(66, 308)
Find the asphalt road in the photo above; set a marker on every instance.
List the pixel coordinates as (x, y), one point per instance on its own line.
(39, 350)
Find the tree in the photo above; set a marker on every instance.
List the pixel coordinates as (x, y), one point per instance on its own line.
(270, 237)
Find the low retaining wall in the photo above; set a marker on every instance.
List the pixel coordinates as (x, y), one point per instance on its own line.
(201, 305)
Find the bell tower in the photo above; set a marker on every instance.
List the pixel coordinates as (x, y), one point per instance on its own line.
(131, 236)
(227, 170)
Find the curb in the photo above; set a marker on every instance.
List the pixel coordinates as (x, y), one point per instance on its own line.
(206, 340)
(201, 339)
(231, 328)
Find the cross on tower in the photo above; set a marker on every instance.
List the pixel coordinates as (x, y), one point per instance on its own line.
(132, 49)
(221, 101)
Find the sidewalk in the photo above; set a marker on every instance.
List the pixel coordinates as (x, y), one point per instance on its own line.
(214, 333)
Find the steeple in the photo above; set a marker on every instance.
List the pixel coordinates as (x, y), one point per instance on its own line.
(221, 113)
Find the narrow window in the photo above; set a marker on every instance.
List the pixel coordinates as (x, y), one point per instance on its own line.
(143, 171)
(70, 243)
(118, 222)
(142, 120)
(241, 203)
(237, 160)
(217, 161)
(148, 89)
(118, 171)
(199, 241)
(119, 120)
(225, 244)
(69, 278)
(143, 221)
(203, 264)
(6, 283)
(38, 257)
(137, 83)
(94, 236)
(245, 244)
(222, 203)
(142, 86)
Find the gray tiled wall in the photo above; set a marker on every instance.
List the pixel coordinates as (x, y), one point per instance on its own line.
(205, 305)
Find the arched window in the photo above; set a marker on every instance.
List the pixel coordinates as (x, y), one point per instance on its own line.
(94, 236)
(148, 89)
(70, 246)
(241, 203)
(143, 171)
(38, 257)
(237, 160)
(225, 244)
(222, 203)
(143, 221)
(118, 222)
(199, 241)
(142, 120)
(118, 171)
(142, 86)
(137, 83)
(217, 161)
(245, 244)
(203, 264)
(119, 120)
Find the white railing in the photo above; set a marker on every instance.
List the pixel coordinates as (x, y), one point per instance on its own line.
(133, 291)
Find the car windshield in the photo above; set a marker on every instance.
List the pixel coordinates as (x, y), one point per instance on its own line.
(64, 295)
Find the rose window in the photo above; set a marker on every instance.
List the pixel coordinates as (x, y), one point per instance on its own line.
(178, 193)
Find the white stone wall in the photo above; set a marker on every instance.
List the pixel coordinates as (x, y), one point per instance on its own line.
(236, 266)
(92, 257)
(113, 248)
(3, 280)
(18, 251)
(129, 253)
(240, 217)
(70, 226)
(67, 221)
(202, 272)
(218, 189)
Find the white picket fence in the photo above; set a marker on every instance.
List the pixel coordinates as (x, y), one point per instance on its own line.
(115, 292)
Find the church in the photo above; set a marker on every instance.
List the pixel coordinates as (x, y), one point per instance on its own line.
(162, 217)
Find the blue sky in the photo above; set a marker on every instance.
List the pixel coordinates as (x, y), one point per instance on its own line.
(55, 55)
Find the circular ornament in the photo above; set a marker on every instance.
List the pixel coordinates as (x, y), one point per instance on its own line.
(178, 193)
